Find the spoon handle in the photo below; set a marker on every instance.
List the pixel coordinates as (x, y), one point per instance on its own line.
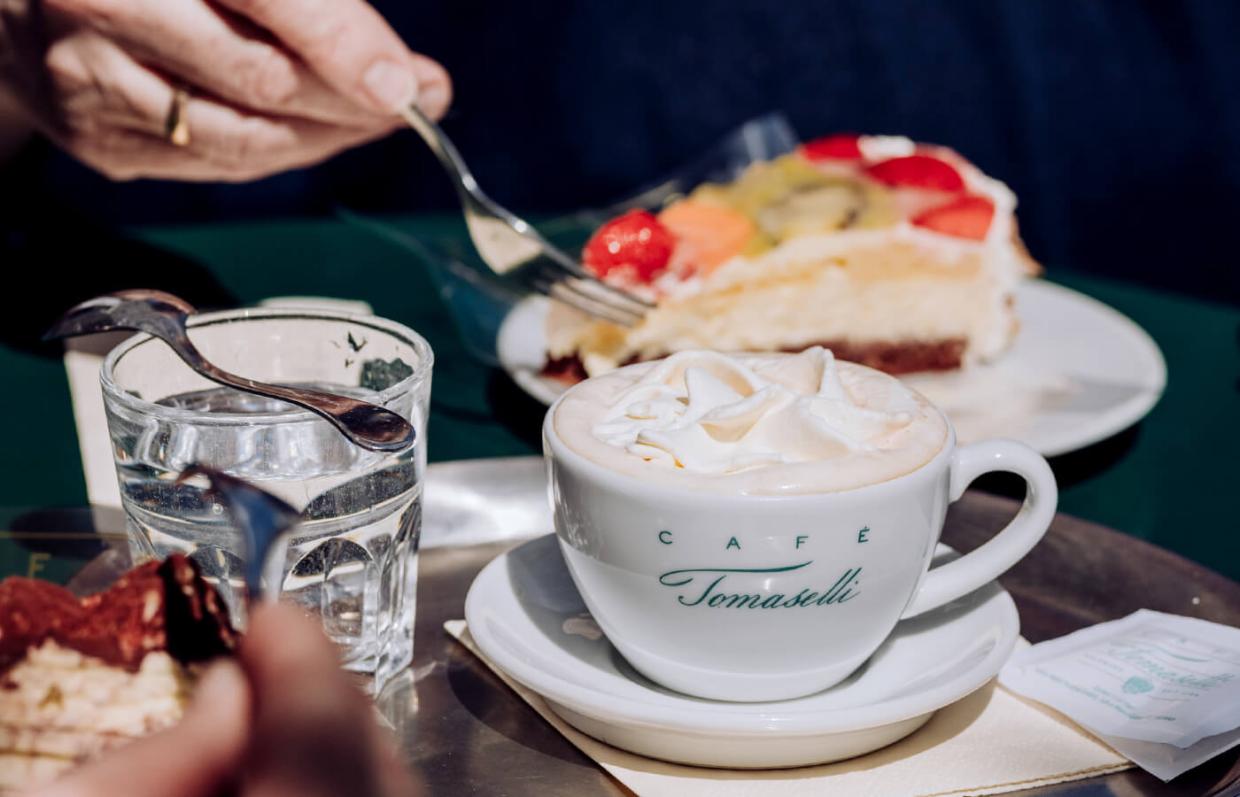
(368, 425)
(165, 316)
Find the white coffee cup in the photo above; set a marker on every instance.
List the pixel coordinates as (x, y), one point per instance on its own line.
(769, 597)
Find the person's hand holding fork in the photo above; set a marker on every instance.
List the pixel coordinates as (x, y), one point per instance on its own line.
(209, 89)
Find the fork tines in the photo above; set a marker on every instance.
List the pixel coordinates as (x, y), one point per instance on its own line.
(556, 275)
(507, 243)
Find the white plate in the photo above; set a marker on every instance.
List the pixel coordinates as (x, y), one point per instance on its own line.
(1078, 372)
(528, 618)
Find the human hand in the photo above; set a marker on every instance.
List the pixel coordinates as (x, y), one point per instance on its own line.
(282, 720)
(272, 84)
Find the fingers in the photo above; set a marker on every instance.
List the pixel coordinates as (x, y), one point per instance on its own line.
(242, 147)
(219, 55)
(332, 60)
(194, 758)
(299, 726)
(349, 45)
(276, 84)
(115, 109)
(243, 153)
(313, 733)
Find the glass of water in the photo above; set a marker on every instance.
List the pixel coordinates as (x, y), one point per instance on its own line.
(353, 558)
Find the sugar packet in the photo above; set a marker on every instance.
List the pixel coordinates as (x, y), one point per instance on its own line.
(1161, 689)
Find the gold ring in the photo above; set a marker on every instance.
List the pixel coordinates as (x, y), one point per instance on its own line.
(176, 123)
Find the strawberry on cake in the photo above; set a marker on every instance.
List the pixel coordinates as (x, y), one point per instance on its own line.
(898, 255)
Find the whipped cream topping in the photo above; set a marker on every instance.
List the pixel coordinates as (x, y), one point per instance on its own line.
(709, 413)
(757, 423)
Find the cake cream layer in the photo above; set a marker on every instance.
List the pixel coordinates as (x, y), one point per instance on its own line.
(19, 771)
(60, 705)
(891, 288)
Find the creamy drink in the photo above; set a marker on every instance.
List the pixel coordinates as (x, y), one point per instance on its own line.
(756, 425)
(752, 527)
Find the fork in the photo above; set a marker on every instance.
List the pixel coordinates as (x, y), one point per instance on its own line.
(263, 520)
(509, 245)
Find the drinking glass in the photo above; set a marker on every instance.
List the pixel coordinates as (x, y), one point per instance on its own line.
(353, 557)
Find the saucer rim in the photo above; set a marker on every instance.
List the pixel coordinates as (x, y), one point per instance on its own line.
(714, 717)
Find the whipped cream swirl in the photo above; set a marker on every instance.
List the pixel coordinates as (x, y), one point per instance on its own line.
(710, 413)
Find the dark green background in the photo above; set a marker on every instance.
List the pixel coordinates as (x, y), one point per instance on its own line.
(1171, 480)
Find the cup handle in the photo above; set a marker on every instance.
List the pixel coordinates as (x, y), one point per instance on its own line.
(961, 576)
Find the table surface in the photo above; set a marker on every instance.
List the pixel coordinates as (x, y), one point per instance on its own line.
(466, 732)
(1168, 480)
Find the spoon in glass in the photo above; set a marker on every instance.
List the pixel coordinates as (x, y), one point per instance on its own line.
(164, 316)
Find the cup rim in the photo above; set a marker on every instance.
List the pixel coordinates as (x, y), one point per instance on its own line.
(114, 393)
(555, 448)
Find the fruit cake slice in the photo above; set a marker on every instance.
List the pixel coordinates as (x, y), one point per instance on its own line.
(898, 255)
(81, 677)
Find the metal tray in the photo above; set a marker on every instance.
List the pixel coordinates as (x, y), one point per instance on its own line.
(464, 732)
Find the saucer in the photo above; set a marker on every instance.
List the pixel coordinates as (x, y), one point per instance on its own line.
(526, 616)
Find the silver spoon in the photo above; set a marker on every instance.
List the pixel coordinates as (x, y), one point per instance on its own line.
(164, 316)
(262, 519)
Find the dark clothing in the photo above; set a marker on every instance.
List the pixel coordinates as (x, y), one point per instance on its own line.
(1117, 123)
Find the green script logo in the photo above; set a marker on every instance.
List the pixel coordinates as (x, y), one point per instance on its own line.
(700, 589)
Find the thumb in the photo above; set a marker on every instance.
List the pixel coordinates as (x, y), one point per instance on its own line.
(191, 759)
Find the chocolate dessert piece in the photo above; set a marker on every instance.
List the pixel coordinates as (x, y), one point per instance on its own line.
(80, 677)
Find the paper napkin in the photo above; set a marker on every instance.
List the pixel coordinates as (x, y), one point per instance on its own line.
(1162, 689)
(989, 743)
